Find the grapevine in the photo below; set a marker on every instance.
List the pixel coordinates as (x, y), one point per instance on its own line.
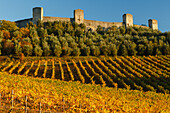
(62, 72)
(22, 67)
(36, 71)
(84, 69)
(69, 70)
(14, 67)
(45, 70)
(53, 70)
(9, 65)
(79, 73)
(26, 73)
(96, 74)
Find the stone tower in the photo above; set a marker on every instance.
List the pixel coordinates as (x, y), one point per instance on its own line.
(79, 16)
(128, 20)
(37, 14)
(153, 24)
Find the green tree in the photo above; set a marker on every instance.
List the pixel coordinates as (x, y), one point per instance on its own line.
(166, 49)
(42, 32)
(87, 51)
(46, 48)
(132, 49)
(95, 50)
(8, 47)
(57, 50)
(113, 50)
(104, 50)
(33, 32)
(17, 34)
(7, 25)
(149, 49)
(18, 49)
(38, 51)
(83, 26)
(76, 51)
(123, 50)
(79, 32)
(40, 23)
(0, 45)
(27, 50)
(141, 49)
(122, 30)
(99, 29)
(89, 42)
(66, 51)
(35, 41)
(75, 25)
(158, 52)
(1, 35)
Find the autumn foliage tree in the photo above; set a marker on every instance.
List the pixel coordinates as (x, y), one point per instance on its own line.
(8, 25)
(25, 32)
(8, 47)
(71, 39)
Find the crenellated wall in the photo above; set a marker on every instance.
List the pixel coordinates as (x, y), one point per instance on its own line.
(79, 18)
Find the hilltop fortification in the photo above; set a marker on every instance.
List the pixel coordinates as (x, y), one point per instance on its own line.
(79, 18)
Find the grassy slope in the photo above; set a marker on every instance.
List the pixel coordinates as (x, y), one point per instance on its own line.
(92, 97)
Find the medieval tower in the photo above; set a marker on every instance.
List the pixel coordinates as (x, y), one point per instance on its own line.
(153, 24)
(37, 14)
(128, 20)
(79, 18)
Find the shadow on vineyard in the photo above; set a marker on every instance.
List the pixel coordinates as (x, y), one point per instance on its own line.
(138, 73)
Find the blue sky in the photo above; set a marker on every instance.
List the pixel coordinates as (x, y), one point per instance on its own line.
(102, 10)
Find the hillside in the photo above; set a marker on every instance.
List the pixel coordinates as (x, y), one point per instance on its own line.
(77, 96)
(150, 73)
(65, 67)
(71, 39)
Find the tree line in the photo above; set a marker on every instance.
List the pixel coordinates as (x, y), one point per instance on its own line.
(71, 39)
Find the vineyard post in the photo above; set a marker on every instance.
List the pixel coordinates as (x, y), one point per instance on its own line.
(40, 107)
(0, 99)
(25, 104)
(80, 107)
(89, 103)
(63, 103)
(12, 99)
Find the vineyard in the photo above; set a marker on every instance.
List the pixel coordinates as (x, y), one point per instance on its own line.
(52, 95)
(150, 73)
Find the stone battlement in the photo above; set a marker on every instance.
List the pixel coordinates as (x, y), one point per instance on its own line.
(79, 18)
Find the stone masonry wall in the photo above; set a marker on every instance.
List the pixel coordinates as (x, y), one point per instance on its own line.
(89, 23)
(94, 24)
(138, 26)
(52, 19)
(23, 23)
(79, 18)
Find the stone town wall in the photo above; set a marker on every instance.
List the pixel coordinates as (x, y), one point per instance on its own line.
(138, 26)
(23, 23)
(89, 23)
(53, 19)
(79, 18)
(94, 24)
